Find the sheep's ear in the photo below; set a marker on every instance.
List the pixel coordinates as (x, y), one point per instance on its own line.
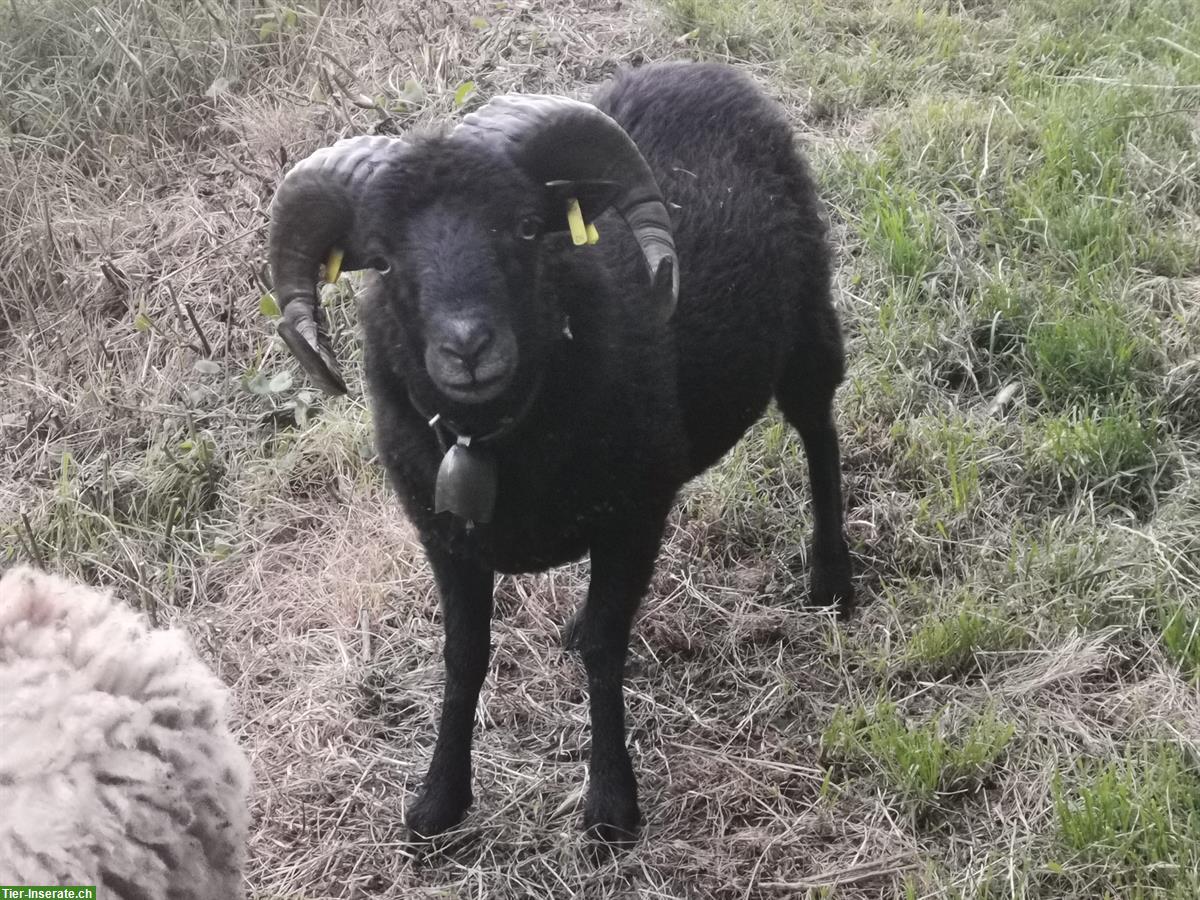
(594, 198)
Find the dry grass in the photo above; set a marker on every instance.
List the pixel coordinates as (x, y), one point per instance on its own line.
(1026, 534)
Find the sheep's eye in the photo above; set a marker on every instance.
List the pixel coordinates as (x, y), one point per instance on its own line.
(529, 228)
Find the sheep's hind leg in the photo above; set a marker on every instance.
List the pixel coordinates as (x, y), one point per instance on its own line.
(805, 395)
(466, 590)
(622, 563)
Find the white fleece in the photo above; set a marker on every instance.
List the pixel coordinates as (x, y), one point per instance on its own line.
(117, 767)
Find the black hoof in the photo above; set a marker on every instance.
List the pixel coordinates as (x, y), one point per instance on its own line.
(611, 819)
(435, 812)
(830, 586)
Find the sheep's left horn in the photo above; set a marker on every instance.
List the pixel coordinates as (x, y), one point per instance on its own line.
(316, 210)
(554, 138)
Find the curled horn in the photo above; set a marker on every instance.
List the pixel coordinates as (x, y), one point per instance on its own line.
(315, 211)
(554, 138)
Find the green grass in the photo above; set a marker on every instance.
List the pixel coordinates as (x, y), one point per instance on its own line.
(955, 642)
(899, 228)
(1014, 198)
(1092, 355)
(1112, 454)
(919, 763)
(1181, 640)
(1015, 188)
(1131, 828)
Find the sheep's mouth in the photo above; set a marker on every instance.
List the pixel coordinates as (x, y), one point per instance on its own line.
(475, 389)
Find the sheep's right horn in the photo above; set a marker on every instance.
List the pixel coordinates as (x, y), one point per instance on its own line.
(315, 211)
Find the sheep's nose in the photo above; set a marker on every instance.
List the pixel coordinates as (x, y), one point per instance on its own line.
(471, 359)
(466, 340)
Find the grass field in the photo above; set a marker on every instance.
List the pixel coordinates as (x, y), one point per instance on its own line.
(1015, 192)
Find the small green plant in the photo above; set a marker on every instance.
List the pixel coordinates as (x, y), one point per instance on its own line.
(1086, 451)
(1093, 355)
(178, 483)
(464, 93)
(1181, 640)
(1136, 822)
(920, 763)
(899, 226)
(943, 455)
(279, 20)
(78, 519)
(950, 644)
(257, 382)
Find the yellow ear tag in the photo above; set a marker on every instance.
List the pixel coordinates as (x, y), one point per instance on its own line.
(592, 233)
(333, 265)
(579, 235)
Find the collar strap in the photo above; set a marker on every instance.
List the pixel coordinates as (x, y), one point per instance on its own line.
(447, 433)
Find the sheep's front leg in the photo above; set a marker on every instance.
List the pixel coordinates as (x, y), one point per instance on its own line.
(622, 564)
(466, 590)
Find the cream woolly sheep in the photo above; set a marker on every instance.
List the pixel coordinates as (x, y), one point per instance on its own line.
(117, 767)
